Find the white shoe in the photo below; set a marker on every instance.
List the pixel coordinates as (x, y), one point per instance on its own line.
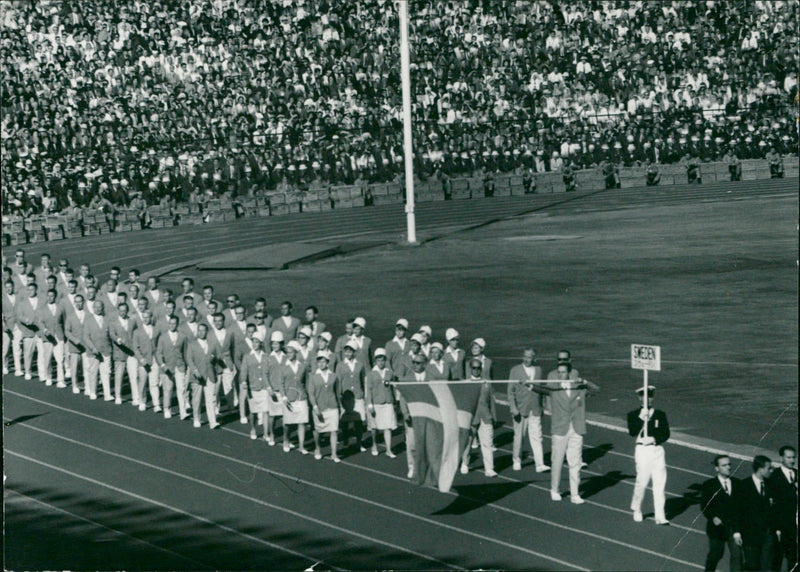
(490, 473)
(214, 426)
(49, 382)
(304, 451)
(464, 469)
(555, 495)
(637, 516)
(517, 466)
(317, 455)
(118, 401)
(93, 396)
(157, 409)
(374, 451)
(286, 448)
(576, 500)
(167, 414)
(76, 389)
(243, 420)
(196, 424)
(5, 371)
(253, 434)
(142, 407)
(108, 398)
(663, 522)
(336, 459)
(61, 385)
(391, 455)
(135, 403)
(542, 469)
(410, 472)
(29, 377)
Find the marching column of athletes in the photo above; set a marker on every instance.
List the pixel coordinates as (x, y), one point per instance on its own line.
(269, 369)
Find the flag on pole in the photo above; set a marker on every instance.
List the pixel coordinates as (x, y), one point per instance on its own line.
(441, 414)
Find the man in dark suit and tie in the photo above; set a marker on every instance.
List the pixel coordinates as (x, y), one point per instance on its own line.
(718, 503)
(754, 528)
(782, 486)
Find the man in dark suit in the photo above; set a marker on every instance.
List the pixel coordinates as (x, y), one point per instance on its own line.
(718, 503)
(782, 487)
(754, 527)
(649, 454)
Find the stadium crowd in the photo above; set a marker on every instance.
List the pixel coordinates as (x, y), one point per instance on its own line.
(111, 103)
(282, 372)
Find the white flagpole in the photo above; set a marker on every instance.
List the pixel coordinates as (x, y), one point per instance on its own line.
(408, 159)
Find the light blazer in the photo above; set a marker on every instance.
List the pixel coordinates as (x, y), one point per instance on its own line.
(291, 384)
(51, 322)
(352, 380)
(27, 316)
(144, 346)
(395, 353)
(170, 355)
(456, 364)
(9, 311)
(224, 350)
(73, 332)
(290, 331)
(254, 373)
(96, 337)
(522, 399)
(121, 338)
(567, 409)
(200, 365)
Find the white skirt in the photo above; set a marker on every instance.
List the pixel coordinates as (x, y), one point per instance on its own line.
(275, 408)
(330, 423)
(258, 401)
(298, 414)
(385, 418)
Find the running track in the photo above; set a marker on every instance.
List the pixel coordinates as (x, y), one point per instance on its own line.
(92, 485)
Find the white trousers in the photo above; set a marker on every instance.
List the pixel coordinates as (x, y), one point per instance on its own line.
(131, 366)
(411, 446)
(533, 426)
(151, 379)
(95, 366)
(650, 463)
(486, 440)
(16, 350)
(29, 345)
(73, 368)
(570, 445)
(176, 381)
(198, 392)
(49, 353)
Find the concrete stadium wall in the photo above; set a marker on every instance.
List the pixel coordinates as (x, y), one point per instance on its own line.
(41, 228)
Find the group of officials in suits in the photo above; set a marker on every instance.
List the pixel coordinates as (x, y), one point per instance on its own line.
(755, 517)
(190, 349)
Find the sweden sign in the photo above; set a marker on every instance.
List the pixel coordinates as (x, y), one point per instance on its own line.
(646, 357)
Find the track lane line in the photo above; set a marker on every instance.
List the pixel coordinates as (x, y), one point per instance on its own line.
(98, 524)
(295, 513)
(353, 497)
(160, 504)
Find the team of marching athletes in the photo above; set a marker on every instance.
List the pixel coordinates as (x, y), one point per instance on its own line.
(189, 350)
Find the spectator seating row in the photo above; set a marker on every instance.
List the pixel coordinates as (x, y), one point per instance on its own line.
(39, 228)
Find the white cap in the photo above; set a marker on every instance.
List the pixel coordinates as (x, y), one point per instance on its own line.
(306, 331)
(437, 345)
(427, 330)
(480, 341)
(450, 334)
(276, 336)
(351, 344)
(417, 338)
(295, 345)
(360, 322)
(324, 354)
(379, 352)
(326, 335)
(402, 322)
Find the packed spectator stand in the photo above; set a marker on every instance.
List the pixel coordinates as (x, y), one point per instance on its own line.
(138, 113)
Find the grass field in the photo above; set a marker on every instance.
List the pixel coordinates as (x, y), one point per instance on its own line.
(714, 284)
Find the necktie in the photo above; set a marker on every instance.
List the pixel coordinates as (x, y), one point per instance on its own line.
(727, 484)
(792, 477)
(761, 488)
